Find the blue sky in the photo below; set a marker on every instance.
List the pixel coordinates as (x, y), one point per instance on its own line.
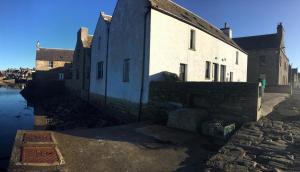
(55, 23)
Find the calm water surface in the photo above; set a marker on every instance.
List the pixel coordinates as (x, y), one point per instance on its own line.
(14, 115)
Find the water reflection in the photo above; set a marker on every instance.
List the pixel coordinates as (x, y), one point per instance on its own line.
(15, 114)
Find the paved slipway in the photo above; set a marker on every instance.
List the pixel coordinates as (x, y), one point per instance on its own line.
(271, 144)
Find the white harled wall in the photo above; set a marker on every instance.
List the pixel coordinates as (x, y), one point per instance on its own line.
(169, 46)
(127, 42)
(97, 86)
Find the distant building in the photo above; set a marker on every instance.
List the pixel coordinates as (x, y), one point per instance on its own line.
(81, 63)
(294, 77)
(53, 64)
(267, 58)
(99, 57)
(140, 45)
(1, 76)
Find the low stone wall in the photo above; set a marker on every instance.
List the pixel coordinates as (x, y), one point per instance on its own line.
(74, 88)
(279, 89)
(97, 100)
(239, 102)
(37, 89)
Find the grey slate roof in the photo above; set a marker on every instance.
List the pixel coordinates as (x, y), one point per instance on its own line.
(48, 54)
(170, 8)
(258, 42)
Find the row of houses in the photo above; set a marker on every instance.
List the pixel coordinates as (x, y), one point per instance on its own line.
(147, 40)
(20, 75)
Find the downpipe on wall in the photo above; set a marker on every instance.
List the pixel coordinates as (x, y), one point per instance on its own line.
(143, 65)
(106, 64)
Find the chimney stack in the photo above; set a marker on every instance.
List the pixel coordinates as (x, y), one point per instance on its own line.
(83, 33)
(227, 31)
(280, 29)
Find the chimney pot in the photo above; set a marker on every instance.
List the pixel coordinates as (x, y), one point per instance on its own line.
(227, 31)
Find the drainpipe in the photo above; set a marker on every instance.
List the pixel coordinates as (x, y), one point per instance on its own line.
(89, 55)
(106, 63)
(143, 64)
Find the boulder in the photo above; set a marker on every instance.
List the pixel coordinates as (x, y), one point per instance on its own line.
(186, 119)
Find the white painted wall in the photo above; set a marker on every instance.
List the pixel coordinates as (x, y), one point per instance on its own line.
(126, 42)
(169, 46)
(97, 86)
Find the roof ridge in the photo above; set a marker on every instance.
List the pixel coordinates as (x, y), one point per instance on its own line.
(57, 49)
(256, 36)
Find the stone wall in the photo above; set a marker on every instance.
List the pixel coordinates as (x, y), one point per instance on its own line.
(238, 102)
(279, 89)
(70, 84)
(44, 65)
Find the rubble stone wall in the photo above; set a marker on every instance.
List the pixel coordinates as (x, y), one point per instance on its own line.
(279, 89)
(238, 102)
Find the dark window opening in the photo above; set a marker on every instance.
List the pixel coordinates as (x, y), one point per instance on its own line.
(193, 40)
(223, 73)
(126, 70)
(216, 72)
(207, 70)
(237, 58)
(182, 72)
(100, 70)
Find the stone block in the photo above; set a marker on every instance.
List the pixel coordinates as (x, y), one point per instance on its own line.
(186, 119)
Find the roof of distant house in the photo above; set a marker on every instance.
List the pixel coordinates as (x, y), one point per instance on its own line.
(258, 42)
(51, 54)
(170, 8)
